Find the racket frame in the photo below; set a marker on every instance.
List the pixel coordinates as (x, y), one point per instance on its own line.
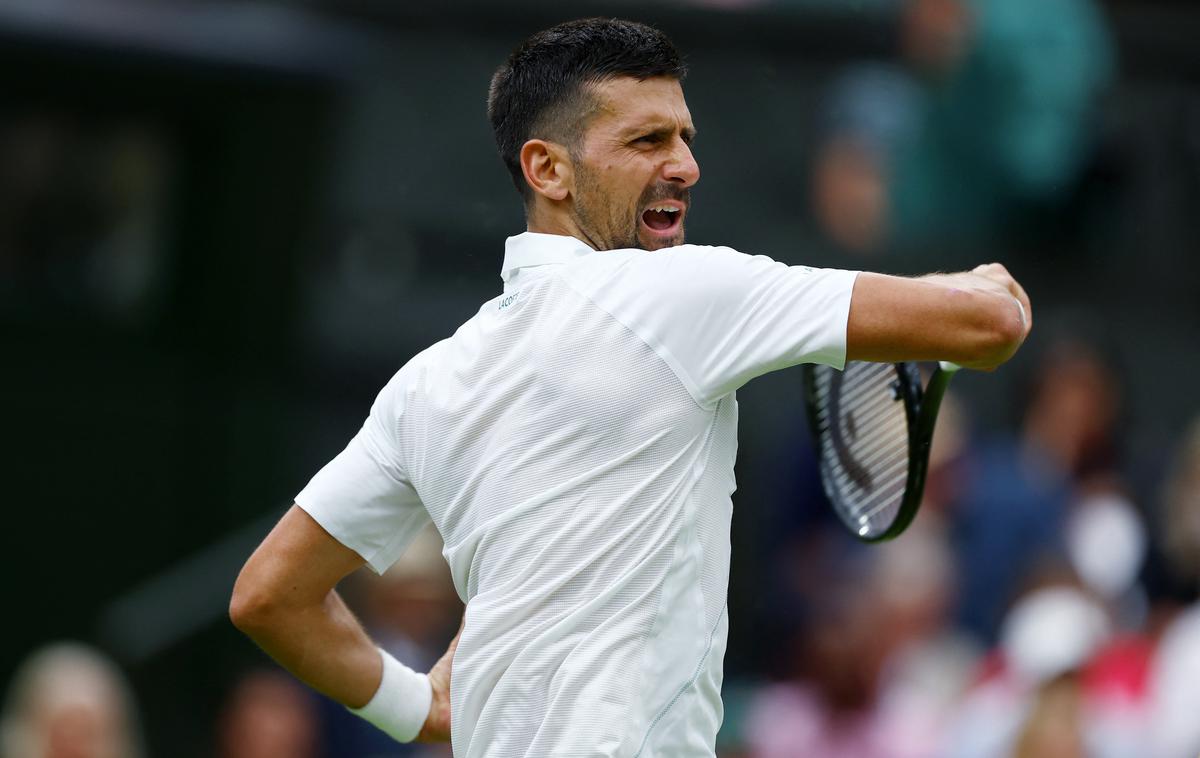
(920, 412)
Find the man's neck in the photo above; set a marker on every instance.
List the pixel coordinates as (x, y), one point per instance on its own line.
(540, 221)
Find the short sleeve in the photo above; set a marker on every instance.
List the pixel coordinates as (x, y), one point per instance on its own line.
(363, 497)
(721, 318)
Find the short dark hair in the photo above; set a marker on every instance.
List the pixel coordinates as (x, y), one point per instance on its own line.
(541, 90)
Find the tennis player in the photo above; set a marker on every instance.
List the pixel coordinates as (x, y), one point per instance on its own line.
(574, 441)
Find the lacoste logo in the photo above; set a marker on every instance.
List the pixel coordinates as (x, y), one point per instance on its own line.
(508, 300)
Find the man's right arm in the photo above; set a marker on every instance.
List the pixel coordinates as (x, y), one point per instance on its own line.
(285, 601)
(976, 319)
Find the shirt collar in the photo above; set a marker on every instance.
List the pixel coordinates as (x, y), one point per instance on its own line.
(531, 249)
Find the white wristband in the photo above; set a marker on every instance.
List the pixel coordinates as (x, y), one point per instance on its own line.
(401, 704)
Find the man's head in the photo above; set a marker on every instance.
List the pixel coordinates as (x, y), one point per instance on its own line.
(590, 120)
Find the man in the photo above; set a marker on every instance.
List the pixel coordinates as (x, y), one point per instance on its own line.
(574, 441)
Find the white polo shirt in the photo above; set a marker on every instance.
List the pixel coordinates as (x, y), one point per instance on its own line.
(574, 444)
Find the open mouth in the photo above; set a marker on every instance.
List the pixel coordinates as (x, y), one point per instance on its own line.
(663, 219)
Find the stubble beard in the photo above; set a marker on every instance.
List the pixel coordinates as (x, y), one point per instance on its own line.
(622, 234)
(593, 213)
(592, 208)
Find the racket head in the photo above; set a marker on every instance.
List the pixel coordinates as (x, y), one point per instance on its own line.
(867, 427)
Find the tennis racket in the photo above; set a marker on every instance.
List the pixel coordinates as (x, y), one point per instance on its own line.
(873, 426)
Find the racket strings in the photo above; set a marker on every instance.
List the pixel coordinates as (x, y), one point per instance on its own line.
(862, 433)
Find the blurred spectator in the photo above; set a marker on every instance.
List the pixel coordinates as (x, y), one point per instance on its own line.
(1050, 507)
(69, 701)
(1107, 543)
(1077, 414)
(935, 35)
(413, 610)
(1052, 729)
(1019, 495)
(1075, 402)
(268, 715)
(873, 115)
(1010, 110)
(877, 667)
(1180, 527)
(990, 113)
(1040, 697)
(1175, 728)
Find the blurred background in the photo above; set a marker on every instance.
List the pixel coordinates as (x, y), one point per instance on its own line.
(224, 225)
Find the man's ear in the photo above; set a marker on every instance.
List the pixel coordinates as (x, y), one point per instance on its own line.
(547, 168)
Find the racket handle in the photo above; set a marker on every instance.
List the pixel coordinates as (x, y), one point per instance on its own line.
(949, 367)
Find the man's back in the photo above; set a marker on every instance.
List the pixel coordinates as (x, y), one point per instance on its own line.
(574, 444)
(583, 496)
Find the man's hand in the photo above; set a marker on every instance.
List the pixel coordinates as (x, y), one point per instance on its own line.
(998, 275)
(437, 723)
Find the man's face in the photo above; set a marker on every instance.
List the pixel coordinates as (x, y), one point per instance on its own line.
(634, 166)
